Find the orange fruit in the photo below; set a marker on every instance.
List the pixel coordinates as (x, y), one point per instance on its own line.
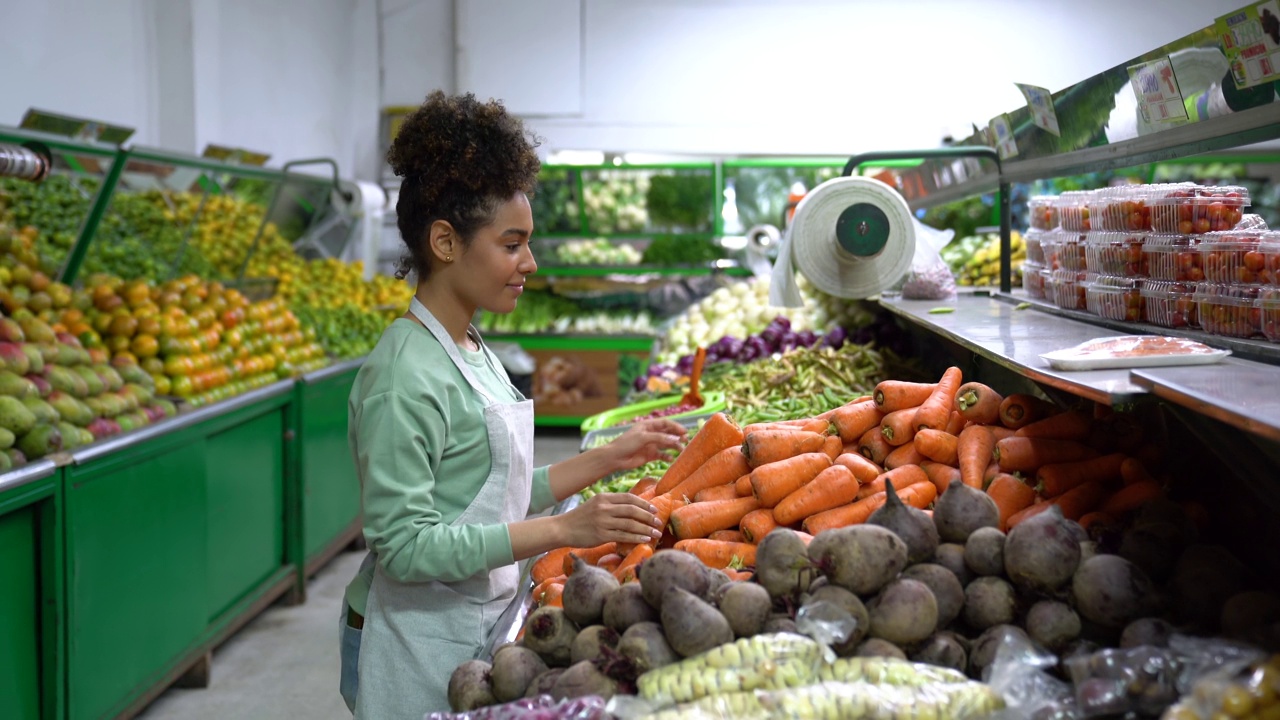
(124, 326)
(145, 346)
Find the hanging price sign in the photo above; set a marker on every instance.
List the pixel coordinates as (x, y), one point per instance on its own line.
(1156, 87)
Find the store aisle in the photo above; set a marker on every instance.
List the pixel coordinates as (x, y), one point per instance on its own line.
(284, 664)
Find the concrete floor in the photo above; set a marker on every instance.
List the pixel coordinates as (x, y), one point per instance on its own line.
(284, 664)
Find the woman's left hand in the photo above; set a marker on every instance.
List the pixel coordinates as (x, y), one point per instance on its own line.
(645, 442)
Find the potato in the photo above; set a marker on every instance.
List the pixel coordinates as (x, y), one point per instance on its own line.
(1042, 553)
(747, 607)
(668, 569)
(514, 670)
(989, 601)
(984, 552)
(944, 585)
(859, 558)
(626, 606)
(469, 686)
(691, 625)
(960, 510)
(904, 612)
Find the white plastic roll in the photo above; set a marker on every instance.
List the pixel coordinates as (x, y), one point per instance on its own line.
(811, 245)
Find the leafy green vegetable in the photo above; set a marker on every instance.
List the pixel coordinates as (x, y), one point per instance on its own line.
(667, 250)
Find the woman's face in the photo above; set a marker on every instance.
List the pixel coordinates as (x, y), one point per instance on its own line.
(498, 259)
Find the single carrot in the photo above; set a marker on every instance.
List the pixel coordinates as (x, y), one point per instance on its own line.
(990, 474)
(820, 426)
(940, 475)
(1028, 513)
(973, 453)
(1096, 518)
(832, 488)
(720, 469)
(938, 446)
(589, 556)
(1132, 497)
(1069, 425)
(627, 568)
(552, 595)
(1011, 496)
(851, 421)
(978, 403)
(542, 586)
(873, 447)
(833, 446)
(957, 423)
(1132, 471)
(550, 564)
(718, 433)
(896, 426)
(1024, 454)
(1018, 410)
(720, 492)
(893, 395)
(609, 562)
(936, 411)
(649, 492)
(718, 554)
(905, 455)
(770, 483)
(1000, 432)
(762, 448)
(699, 520)
(738, 575)
(663, 506)
(902, 477)
(917, 496)
(850, 447)
(727, 536)
(863, 469)
(756, 524)
(1053, 480)
(743, 485)
(643, 484)
(1082, 500)
(792, 425)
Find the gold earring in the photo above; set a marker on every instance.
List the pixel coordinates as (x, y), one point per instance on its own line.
(448, 258)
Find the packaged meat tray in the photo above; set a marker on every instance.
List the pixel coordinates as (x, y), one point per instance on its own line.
(1126, 351)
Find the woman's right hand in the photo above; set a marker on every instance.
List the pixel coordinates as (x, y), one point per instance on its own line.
(610, 517)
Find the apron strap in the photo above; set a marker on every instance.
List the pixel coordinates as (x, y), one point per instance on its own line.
(418, 310)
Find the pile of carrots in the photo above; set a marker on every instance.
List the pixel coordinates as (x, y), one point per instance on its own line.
(732, 485)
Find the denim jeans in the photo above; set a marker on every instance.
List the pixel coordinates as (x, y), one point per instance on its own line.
(349, 657)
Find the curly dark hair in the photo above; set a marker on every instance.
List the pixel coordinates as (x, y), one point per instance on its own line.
(460, 160)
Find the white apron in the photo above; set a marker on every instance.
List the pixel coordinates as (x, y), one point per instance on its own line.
(416, 634)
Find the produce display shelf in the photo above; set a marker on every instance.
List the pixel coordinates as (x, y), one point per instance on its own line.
(27, 474)
(661, 271)
(1015, 339)
(1236, 392)
(568, 341)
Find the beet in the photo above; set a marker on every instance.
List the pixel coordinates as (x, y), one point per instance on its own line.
(875, 647)
(691, 625)
(514, 670)
(589, 643)
(838, 597)
(989, 601)
(782, 564)
(1205, 577)
(469, 686)
(626, 607)
(1111, 591)
(542, 684)
(984, 552)
(944, 649)
(646, 646)
(1042, 553)
(983, 651)
(747, 607)
(1150, 550)
(781, 624)
(944, 585)
(1146, 631)
(904, 612)
(586, 591)
(583, 679)
(859, 558)
(951, 557)
(1052, 624)
(550, 634)
(912, 525)
(668, 569)
(715, 581)
(960, 510)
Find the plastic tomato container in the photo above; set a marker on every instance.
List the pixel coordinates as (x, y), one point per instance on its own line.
(1042, 214)
(1169, 304)
(1270, 250)
(1066, 288)
(1034, 242)
(1122, 209)
(1269, 309)
(1115, 253)
(1198, 209)
(1073, 210)
(1114, 297)
(1229, 310)
(1033, 277)
(1233, 257)
(1065, 251)
(1173, 258)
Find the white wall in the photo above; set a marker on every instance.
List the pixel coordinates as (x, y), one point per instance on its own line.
(417, 49)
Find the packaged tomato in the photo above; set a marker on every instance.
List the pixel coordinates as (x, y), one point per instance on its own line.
(1115, 253)
(1229, 310)
(1073, 210)
(1122, 208)
(1066, 251)
(1066, 288)
(1169, 304)
(1233, 257)
(1033, 277)
(1269, 309)
(1270, 249)
(1114, 297)
(1042, 214)
(1198, 209)
(1034, 242)
(1172, 257)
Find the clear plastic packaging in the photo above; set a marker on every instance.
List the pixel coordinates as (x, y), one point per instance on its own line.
(930, 277)
(1228, 310)
(1270, 249)
(1042, 214)
(867, 701)
(1065, 251)
(1115, 253)
(1169, 304)
(1251, 221)
(1269, 309)
(1109, 682)
(1033, 276)
(1114, 298)
(1066, 288)
(1235, 688)
(542, 707)
(762, 662)
(1172, 257)
(1122, 209)
(1234, 257)
(1034, 242)
(1073, 210)
(1198, 209)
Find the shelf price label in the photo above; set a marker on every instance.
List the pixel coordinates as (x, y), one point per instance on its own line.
(1250, 39)
(1000, 131)
(1040, 103)
(1156, 87)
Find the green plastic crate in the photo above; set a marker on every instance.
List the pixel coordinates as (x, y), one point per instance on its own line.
(713, 402)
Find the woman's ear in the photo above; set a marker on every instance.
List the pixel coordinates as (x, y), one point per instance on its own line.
(443, 241)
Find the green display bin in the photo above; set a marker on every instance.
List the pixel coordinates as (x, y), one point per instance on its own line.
(329, 486)
(713, 402)
(176, 537)
(31, 627)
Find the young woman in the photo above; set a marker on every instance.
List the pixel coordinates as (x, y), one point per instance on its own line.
(443, 442)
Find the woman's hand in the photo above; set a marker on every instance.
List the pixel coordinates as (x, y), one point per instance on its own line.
(645, 442)
(610, 517)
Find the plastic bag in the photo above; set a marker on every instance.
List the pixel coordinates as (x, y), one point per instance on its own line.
(930, 277)
(542, 707)
(761, 662)
(1251, 690)
(1021, 675)
(866, 701)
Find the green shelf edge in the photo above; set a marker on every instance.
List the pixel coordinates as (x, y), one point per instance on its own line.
(558, 420)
